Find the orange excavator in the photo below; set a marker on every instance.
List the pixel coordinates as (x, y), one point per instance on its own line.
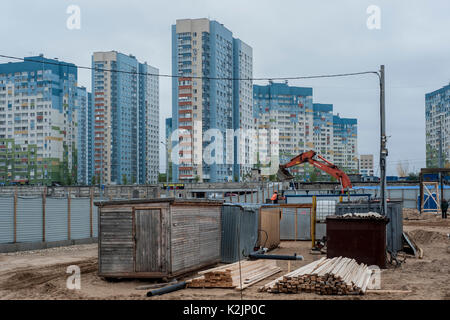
(283, 174)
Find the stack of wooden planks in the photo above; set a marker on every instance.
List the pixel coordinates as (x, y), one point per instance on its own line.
(336, 276)
(229, 276)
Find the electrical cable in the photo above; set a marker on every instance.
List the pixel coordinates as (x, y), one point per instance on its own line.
(71, 65)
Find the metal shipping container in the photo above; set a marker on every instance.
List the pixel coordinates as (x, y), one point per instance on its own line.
(239, 231)
(361, 239)
(394, 228)
(157, 238)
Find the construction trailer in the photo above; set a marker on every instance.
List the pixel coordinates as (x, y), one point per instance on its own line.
(157, 238)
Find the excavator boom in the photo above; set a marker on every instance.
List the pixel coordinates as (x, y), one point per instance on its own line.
(283, 174)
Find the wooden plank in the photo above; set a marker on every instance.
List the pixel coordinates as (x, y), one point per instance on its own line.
(387, 291)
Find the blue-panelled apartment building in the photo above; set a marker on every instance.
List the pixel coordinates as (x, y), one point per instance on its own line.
(85, 120)
(304, 125)
(38, 132)
(437, 126)
(126, 119)
(201, 47)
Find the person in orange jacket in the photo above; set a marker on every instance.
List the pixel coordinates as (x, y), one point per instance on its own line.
(274, 197)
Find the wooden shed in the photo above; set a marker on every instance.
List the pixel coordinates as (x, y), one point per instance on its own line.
(156, 238)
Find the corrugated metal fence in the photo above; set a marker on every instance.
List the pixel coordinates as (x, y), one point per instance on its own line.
(44, 219)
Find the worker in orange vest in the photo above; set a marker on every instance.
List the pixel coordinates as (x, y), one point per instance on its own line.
(274, 197)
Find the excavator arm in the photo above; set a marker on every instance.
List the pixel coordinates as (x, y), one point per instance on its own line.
(328, 167)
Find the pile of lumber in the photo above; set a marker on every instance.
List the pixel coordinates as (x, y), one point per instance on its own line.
(229, 276)
(336, 276)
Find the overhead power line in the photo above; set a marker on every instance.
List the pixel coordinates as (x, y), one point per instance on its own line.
(71, 65)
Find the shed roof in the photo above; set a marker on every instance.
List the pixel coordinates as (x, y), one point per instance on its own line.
(159, 200)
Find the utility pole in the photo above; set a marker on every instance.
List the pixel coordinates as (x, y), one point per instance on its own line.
(441, 164)
(383, 149)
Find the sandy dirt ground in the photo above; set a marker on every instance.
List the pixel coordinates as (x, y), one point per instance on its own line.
(42, 274)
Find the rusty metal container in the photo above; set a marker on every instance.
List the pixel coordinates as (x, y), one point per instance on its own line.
(359, 238)
(394, 228)
(156, 238)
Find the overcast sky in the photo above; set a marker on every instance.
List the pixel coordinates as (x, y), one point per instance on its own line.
(289, 38)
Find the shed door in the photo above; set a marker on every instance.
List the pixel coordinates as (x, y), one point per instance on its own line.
(149, 241)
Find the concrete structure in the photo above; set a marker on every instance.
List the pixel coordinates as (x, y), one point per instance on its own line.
(366, 164)
(38, 122)
(85, 120)
(126, 125)
(437, 118)
(345, 143)
(201, 47)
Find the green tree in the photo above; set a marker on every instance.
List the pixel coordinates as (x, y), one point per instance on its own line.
(413, 176)
(197, 178)
(162, 177)
(124, 179)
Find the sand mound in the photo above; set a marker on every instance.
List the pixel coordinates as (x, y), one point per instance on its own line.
(427, 237)
(413, 214)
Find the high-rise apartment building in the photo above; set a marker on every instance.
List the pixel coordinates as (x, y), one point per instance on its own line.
(206, 102)
(437, 126)
(345, 132)
(366, 164)
(126, 119)
(323, 133)
(38, 131)
(303, 125)
(290, 111)
(85, 118)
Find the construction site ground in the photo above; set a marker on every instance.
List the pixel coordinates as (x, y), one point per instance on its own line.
(42, 274)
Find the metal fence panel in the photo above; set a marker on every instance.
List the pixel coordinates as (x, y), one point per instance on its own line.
(80, 222)
(288, 224)
(56, 219)
(239, 231)
(394, 229)
(6, 220)
(95, 220)
(325, 208)
(321, 230)
(29, 219)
